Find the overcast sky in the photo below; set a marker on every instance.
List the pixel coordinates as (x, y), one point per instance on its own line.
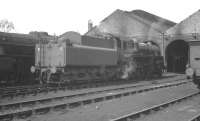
(59, 16)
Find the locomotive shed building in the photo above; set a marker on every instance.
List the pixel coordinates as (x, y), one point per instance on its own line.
(177, 38)
(137, 24)
(171, 38)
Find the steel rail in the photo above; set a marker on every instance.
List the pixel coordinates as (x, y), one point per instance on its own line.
(147, 111)
(39, 89)
(195, 118)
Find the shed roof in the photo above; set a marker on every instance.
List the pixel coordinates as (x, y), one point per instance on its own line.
(189, 25)
(131, 23)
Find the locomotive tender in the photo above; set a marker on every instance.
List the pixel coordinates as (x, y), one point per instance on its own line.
(72, 58)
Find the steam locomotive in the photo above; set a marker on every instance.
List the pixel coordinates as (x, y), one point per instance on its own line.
(16, 58)
(72, 58)
(17, 55)
(193, 66)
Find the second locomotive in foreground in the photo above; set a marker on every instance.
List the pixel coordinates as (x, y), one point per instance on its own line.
(193, 67)
(73, 58)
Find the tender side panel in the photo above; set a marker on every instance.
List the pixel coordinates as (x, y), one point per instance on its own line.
(90, 57)
(98, 42)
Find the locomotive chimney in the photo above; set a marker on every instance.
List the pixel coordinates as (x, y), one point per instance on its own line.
(90, 25)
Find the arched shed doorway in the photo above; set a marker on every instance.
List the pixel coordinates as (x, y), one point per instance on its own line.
(177, 56)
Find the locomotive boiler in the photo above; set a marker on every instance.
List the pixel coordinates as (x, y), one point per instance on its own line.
(72, 58)
(142, 60)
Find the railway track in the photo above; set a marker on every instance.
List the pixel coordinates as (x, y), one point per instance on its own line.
(195, 118)
(42, 106)
(34, 90)
(145, 112)
(23, 90)
(12, 92)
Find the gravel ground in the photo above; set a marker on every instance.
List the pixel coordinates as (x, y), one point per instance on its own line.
(106, 110)
(75, 99)
(183, 111)
(71, 92)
